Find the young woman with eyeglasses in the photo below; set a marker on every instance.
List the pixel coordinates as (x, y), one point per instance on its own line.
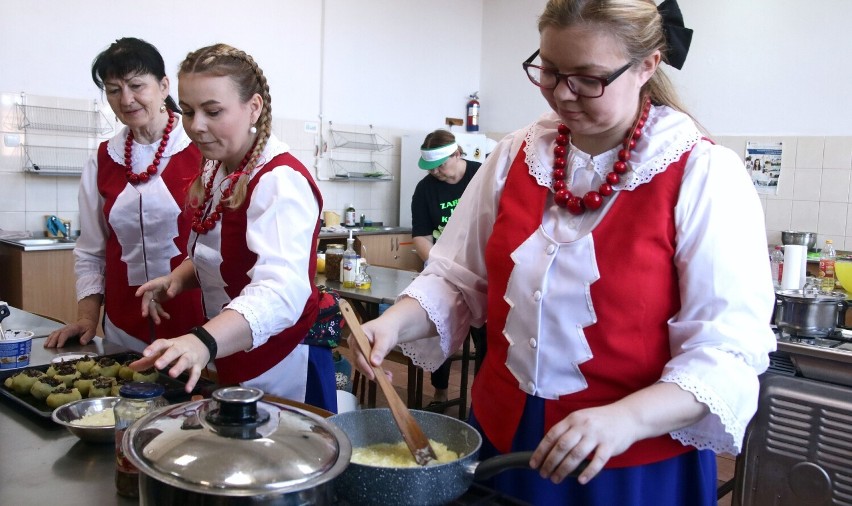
(619, 257)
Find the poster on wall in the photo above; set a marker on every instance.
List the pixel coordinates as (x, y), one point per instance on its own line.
(763, 163)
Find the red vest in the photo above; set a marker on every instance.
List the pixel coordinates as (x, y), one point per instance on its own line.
(237, 260)
(635, 296)
(120, 302)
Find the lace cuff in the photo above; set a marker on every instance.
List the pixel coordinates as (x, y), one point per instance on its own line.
(431, 352)
(720, 431)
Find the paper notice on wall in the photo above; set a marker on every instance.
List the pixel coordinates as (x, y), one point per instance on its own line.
(763, 163)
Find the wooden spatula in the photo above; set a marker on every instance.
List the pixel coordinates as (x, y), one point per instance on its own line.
(411, 431)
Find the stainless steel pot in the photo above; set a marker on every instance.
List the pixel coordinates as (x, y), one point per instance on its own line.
(236, 449)
(809, 315)
(427, 485)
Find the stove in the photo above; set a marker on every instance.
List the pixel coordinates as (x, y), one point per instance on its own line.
(827, 358)
(798, 447)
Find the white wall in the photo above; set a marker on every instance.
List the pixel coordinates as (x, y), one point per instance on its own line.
(757, 67)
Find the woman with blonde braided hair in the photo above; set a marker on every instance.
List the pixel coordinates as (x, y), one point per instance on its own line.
(255, 228)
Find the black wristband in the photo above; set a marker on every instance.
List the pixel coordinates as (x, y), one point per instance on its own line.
(208, 341)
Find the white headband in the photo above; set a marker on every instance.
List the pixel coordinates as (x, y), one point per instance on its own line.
(430, 155)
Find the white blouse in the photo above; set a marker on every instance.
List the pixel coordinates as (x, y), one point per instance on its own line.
(281, 218)
(719, 340)
(145, 258)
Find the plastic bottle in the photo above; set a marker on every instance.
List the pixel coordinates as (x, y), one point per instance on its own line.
(349, 216)
(777, 263)
(826, 267)
(137, 400)
(349, 266)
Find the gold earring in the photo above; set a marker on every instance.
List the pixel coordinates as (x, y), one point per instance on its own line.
(163, 107)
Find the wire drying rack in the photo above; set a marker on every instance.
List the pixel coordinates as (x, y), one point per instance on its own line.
(357, 140)
(56, 161)
(62, 120)
(359, 171)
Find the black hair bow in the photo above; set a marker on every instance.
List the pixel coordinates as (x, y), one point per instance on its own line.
(678, 37)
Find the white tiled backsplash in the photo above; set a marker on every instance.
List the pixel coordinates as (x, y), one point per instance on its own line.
(813, 192)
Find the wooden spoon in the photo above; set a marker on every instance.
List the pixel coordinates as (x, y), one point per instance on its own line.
(411, 431)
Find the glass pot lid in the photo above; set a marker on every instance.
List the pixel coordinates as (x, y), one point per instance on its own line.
(237, 445)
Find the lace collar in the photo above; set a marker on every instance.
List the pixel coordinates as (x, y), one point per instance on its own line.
(668, 134)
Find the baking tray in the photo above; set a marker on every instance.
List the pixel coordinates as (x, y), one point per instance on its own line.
(174, 387)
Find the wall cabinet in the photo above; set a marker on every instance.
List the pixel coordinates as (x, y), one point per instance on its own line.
(41, 282)
(389, 250)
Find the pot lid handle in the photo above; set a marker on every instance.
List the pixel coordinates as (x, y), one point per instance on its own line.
(237, 415)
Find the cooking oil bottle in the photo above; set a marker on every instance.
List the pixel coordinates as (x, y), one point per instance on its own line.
(826, 267)
(349, 266)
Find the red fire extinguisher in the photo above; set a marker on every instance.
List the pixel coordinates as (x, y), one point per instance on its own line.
(473, 112)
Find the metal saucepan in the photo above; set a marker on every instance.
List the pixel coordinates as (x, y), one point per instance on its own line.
(810, 315)
(236, 449)
(427, 485)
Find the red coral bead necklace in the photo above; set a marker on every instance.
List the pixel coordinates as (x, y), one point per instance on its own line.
(152, 169)
(202, 222)
(592, 200)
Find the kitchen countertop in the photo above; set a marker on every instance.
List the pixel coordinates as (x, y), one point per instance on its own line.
(51, 244)
(343, 232)
(40, 243)
(42, 462)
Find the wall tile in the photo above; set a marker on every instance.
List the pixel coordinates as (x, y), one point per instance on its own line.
(778, 214)
(832, 218)
(809, 152)
(838, 153)
(835, 185)
(13, 186)
(41, 194)
(13, 222)
(807, 184)
(805, 216)
(849, 221)
(67, 189)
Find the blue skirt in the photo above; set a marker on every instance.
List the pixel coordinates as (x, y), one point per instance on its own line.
(321, 387)
(688, 479)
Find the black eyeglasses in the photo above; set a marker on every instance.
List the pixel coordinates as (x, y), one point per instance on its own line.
(579, 84)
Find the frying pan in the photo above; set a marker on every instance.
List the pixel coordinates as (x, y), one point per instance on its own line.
(436, 483)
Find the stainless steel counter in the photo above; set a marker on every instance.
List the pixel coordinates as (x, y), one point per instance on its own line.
(42, 463)
(343, 232)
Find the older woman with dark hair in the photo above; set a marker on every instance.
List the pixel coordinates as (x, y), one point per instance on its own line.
(133, 219)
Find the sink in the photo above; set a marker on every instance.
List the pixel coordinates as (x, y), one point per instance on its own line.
(37, 242)
(47, 241)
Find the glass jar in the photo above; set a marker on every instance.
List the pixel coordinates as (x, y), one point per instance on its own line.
(137, 400)
(333, 258)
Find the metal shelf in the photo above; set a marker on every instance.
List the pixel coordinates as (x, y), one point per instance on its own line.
(56, 119)
(56, 161)
(350, 170)
(356, 140)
